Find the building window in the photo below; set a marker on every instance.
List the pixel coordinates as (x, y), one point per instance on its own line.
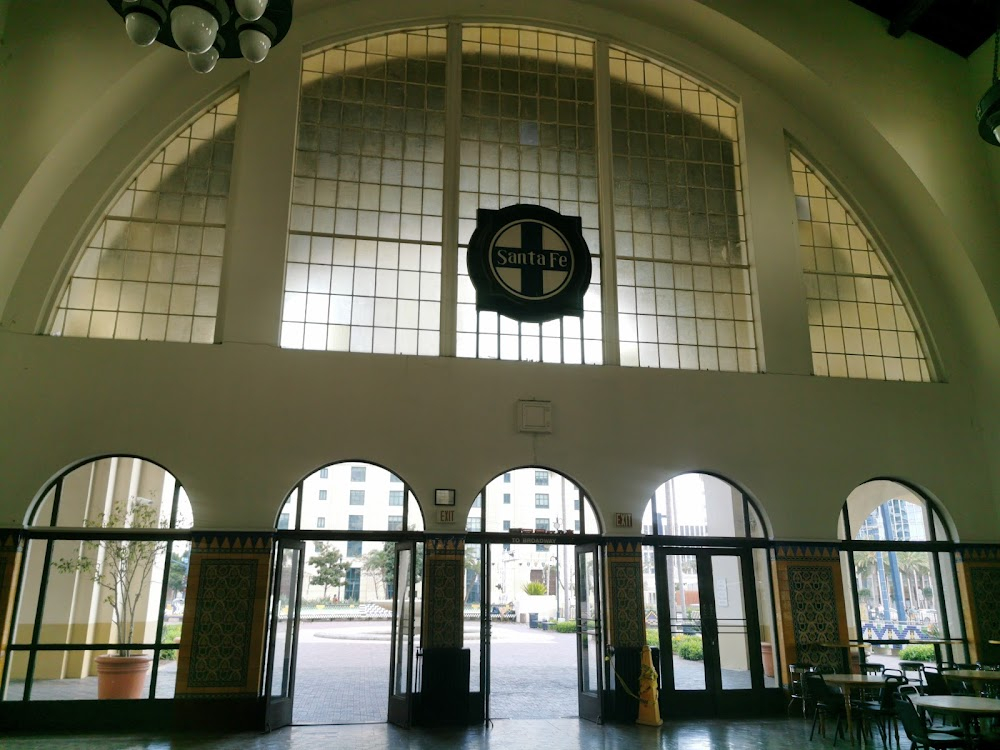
(357, 497)
(506, 478)
(541, 500)
(542, 524)
(322, 494)
(394, 479)
(474, 523)
(478, 502)
(358, 473)
(152, 269)
(576, 503)
(324, 473)
(395, 523)
(283, 521)
(859, 322)
(576, 526)
(506, 498)
(541, 477)
(355, 523)
(352, 581)
(321, 522)
(506, 525)
(354, 548)
(396, 498)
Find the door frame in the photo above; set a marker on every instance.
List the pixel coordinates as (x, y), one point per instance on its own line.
(400, 710)
(713, 700)
(278, 708)
(591, 702)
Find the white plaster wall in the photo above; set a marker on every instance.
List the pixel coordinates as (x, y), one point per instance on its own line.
(239, 423)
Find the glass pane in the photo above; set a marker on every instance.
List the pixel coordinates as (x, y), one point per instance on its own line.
(474, 602)
(284, 638)
(765, 613)
(685, 622)
(590, 646)
(698, 505)
(404, 603)
(730, 611)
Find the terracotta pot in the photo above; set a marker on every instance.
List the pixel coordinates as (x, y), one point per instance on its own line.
(122, 676)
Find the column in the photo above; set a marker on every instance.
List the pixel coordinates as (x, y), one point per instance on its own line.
(979, 580)
(626, 625)
(10, 562)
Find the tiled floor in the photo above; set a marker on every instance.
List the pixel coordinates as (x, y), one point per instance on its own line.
(560, 734)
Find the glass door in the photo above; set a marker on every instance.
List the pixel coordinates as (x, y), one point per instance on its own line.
(707, 613)
(401, 664)
(590, 646)
(286, 602)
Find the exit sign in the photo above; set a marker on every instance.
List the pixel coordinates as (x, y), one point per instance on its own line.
(623, 520)
(447, 516)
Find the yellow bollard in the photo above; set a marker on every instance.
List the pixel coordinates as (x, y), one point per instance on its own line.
(649, 695)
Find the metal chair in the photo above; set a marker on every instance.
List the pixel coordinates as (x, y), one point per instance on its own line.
(918, 733)
(829, 704)
(796, 684)
(882, 711)
(913, 666)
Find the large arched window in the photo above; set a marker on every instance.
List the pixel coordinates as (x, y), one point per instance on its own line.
(153, 268)
(384, 190)
(105, 567)
(860, 322)
(900, 573)
(365, 500)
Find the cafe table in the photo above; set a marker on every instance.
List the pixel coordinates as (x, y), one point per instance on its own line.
(966, 707)
(849, 682)
(976, 676)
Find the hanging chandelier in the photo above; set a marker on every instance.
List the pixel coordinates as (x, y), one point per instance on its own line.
(988, 110)
(208, 29)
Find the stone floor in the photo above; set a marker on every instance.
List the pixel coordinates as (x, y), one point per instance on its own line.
(557, 734)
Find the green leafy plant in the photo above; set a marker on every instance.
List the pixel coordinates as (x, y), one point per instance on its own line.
(917, 652)
(534, 588)
(688, 647)
(565, 627)
(121, 567)
(331, 567)
(170, 635)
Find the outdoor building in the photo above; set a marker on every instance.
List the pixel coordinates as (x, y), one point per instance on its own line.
(460, 349)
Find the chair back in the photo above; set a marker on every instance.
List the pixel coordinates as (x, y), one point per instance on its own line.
(819, 691)
(905, 692)
(890, 691)
(912, 724)
(872, 668)
(936, 683)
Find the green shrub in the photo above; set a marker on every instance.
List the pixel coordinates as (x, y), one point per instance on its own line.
(653, 637)
(917, 652)
(534, 588)
(565, 627)
(688, 647)
(170, 633)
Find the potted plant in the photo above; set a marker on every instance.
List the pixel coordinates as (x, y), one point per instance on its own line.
(122, 567)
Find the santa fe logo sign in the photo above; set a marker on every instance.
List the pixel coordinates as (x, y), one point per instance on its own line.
(529, 263)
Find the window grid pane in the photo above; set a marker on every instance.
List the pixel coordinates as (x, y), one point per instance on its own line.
(859, 323)
(363, 270)
(685, 298)
(528, 136)
(152, 269)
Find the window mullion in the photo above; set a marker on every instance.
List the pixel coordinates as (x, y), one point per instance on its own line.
(606, 205)
(449, 213)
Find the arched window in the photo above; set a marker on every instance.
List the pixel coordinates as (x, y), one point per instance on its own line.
(369, 266)
(358, 497)
(533, 499)
(696, 505)
(153, 267)
(98, 575)
(903, 583)
(860, 323)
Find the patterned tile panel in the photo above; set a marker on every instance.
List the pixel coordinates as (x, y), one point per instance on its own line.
(444, 571)
(813, 592)
(225, 620)
(625, 608)
(984, 591)
(807, 551)
(979, 553)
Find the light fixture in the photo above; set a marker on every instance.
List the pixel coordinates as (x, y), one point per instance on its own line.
(208, 30)
(988, 109)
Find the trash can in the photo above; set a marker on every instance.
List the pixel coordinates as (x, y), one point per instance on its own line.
(533, 620)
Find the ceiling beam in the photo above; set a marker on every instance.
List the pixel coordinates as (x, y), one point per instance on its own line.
(908, 15)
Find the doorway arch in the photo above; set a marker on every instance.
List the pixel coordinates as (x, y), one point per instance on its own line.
(707, 593)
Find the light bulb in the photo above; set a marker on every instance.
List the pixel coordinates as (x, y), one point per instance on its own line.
(251, 10)
(194, 28)
(254, 44)
(205, 61)
(141, 28)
